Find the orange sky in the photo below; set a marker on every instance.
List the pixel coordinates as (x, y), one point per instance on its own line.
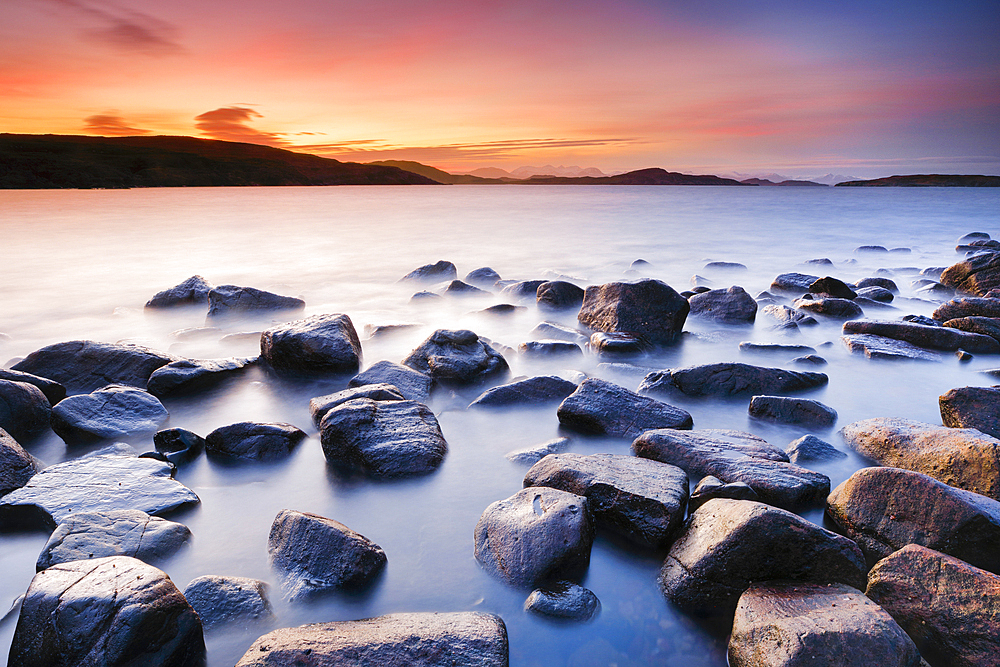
(864, 88)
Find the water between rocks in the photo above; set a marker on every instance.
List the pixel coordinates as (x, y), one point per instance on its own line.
(81, 264)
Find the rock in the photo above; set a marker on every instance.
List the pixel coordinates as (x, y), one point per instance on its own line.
(935, 291)
(950, 609)
(961, 457)
(178, 445)
(648, 309)
(920, 319)
(642, 499)
(382, 330)
(725, 266)
(192, 375)
(483, 277)
(712, 487)
(458, 288)
(109, 479)
(24, 410)
(563, 599)
(975, 275)
(963, 356)
(967, 307)
(532, 455)
(16, 465)
(424, 295)
(197, 333)
(787, 317)
(883, 283)
(729, 379)
(884, 509)
(536, 535)
(223, 601)
(972, 407)
(319, 406)
(53, 391)
(413, 385)
(766, 348)
(113, 612)
(986, 326)
(383, 438)
(254, 441)
(793, 282)
(730, 544)
(933, 271)
(228, 301)
(124, 532)
(809, 360)
(555, 331)
(875, 294)
(833, 287)
(502, 309)
(115, 412)
(192, 292)
(822, 261)
(730, 306)
(871, 249)
(780, 624)
(618, 343)
(522, 290)
(602, 407)
(457, 357)
(843, 309)
(785, 410)
(880, 347)
(811, 448)
(734, 456)
(975, 236)
(529, 391)
(935, 338)
(314, 554)
(316, 346)
(397, 640)
(83, 365)
(439, 272)
(558, 295)
(547, 349)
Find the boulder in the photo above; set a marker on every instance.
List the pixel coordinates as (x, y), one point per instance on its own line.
(729, 306)
(616, 344)
(254, 441)
(647, 309)
(602, 407)
(528, 391)
(24, 410)
(712, 487)
(483, 277)
(832, 287)
(967, 307)
(880, 347)
(124, 532)
(383, 438)
(788, 317)
(549, 349)
(558, 295)
(16, 465)
(880, 282)
(397, 640)
(187, 376)
(319, 406)
(192, 292)
(438, 272)
(83, 365)
(961, 457)
(112, 612)
(316, 346)
(976, 275)
(532, 455)
(457, 357)
(986, 326)
(842, 309)
(785, 410)
(458, 288)
(884, 509)
(729, 379)
(793, 282)
(414, 385)
(115, 412)
(314, 554)
(730, 544)
(811, 448)
(536, 535)
(53, 391)
(178, 445)
(875, 293)
(935, 338)
(522, 290)
(222, 601)
(972, 407)
(555, 331)
(950, 609)
(642, 499)
(784, 624)
(229, 301)
(563, 599)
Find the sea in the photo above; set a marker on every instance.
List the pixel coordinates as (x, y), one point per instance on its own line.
(80, 264)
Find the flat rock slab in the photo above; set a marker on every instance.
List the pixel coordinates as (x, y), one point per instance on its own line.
(950, 608)
(87, 535)
(642, 499)
(787, 410)
(188, 376)
(880, 347)
(972, 407)
(53, 391)
(789, 624)
(230, 301)
(601, 407)
(112, 612)
(563, 599)
(316, 346)
(414, 385)
(469, 639)
(16, 465)
(961, 457)
(222, 601)
(192, 292)
(115, 412)
(976, 275)
(319, 406)
(730, 544)
(549, 349)
(730, 379)
(529, 391)
(935, 338)
(457, 357)
(649, 309)
(254, 441)
(967, 307)
(25, 412)
(884, 509)
(108, 479)
(85, 365)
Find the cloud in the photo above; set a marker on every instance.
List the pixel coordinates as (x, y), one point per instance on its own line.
(110, 124)
(125, 29)
(231, 124)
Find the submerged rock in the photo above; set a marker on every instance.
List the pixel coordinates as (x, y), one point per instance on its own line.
(532, 455)
(25, 412)
(972, 407)
(316, 346)
(786, 317)
(616, 344)
(192, 292)
(438, 272)
(227, 301)
(16, 465)
(648, 309)
(563, 599)
(729, 379)
(412, 384)
(529, 391)
(84, 365)
(458, 288)
(114, 412)
(785, 410)
(729, 306)
(457, 357)
(254, 441)
(319, 406)
(602, 407)
(880, 282)
(223, 601)
(880, 347)
(522, 290)
(187, 376)
(547, 349)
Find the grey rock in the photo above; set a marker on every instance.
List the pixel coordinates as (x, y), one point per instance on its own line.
(617, 344)
(935, 338)
(25, 412)
(811, 448)
(602, 407)
(382, 330)
(729, 306)
(880, 347)
(222, 601)
(563, 599)
(987, 326)
(115, 412)
(786, 317)
(548, 349)
(843, 309)
(532, 455)
(83, 366)
(793, 282)
(16, 465)
(192, 292)
(729, 379)
(230, 301)
(558, 295)
(192, 375)
(555, 331)
(316, 346)
(483, 277)
(786, 410)
(726, 266)
(438, 272)
(319, 406)
(884, 283)
(712, 487)
(424, 295)
(413, 385)
(875, 293)
(975, 236)
(920, 319)
(648, 309)
(458, 288)
(522, 290)
(809, 360)
(254, 441)
(529, 391)
(53, 391)
(457, 357)
(178, 445)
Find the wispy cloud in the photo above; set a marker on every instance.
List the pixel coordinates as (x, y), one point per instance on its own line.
(375, 149)
(232, 124)
(110, 124)
(126, 29)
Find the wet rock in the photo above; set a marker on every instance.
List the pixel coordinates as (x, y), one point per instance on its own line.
(963, 356)
(383, 438)
(616, 343)
(950, 609)
(192, 292)
(837, 289)
(457, 357)
(730, 379)
(809, 360)
(972, 407)
(424, 295)
(532, 455)
(881, 282)
(319, 406)
(197, 333)
(712, 487)
(730, 544)
(648, 309)
(192, 375)
(83, 365)
(459, 288)
(884, 509)
(438, 272)
(961, 457)
(124, 532)
(986, 326)
(810, 448)
(822, 261)
(396, 640)
(24, 410)
(555, 331)
(788, 317)
(920, 319)
(502, 309)
(935, 291)
(975, 275)
(642, 499)
(547, 349)
(875, 294)
(226, 301)
(115, 412)
(975, 236)
(254, 441)
(558, 295)
(563, 599)
(781, 348)
(880, 347)
(483, 277)
(780, 624)
(843, 309)
(602, 407)
(522, 290)
(178, 445)
(316, 346)
(114, 612)
(413, 385)
(871, 249)
(529, 391)
(382, 330)
(785, 410)
(725, 266)
(536, 535)
(730, 306)
(222, 601)
(793, 282)
(53, 391)
(967, 307)
(16, 465)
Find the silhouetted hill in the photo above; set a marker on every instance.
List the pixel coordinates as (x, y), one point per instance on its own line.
(928, 181)
(653, 176)
(436, 174)
(789, 182)
(57, 161)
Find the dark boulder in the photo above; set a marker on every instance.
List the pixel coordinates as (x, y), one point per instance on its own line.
(16, 465)
(83, 365)
(841, 309)
(438, 272)
(522, 290)
(53, 391)
(532, 455)
(729, 306)
(986, 326)
(222, 601)
(729, 379)
(319, 406)
(967, 307)
(875, 294)
(558, 295)
(972, 407)
(793, 282)
(529, 391)
(457, 357)
(254, 441)
(880, 347)
(188, 376)
(314, 554)
(483, 277)
(837, 289)
(601, 407)
(414, 385)
(811, 448)
(786, 410)
(178, 445)
(648, 309)
(617, 344)
(555, 331)
(871, 249)
(115, 412)
(192, 292)
(563, 599)
(975, 275)
(458, 288)
(25, 412)
(712, 487)
(884, 283)
(935, 338)
(229, 301)
(316, 346)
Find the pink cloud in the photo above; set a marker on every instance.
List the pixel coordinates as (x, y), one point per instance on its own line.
(110, 124)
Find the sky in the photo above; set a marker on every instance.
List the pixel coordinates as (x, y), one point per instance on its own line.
(865, 88)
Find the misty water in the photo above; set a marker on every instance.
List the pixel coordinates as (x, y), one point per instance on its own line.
(81, 264)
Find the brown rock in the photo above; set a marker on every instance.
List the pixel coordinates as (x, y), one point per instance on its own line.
(649, 309)
(967, 307)
(976, 275)
(935, 338)
(986, 326)
(972, 407)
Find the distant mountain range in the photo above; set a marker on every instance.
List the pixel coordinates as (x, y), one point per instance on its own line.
(779, 179)
(527, 172)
